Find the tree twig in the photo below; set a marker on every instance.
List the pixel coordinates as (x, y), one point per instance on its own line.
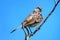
(45, 18)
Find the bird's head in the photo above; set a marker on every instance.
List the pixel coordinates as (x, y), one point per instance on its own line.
(38, 9)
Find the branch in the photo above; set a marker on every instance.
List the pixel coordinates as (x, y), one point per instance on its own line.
(45, 18)
(27, 37)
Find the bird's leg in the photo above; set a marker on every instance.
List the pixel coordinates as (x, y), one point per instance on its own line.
(30, 29)
(24, 30)
(27, 30)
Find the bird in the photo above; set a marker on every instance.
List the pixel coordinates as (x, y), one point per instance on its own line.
(32, 20)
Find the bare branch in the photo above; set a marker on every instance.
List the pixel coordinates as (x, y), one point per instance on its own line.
(45, 18)
(27, 37)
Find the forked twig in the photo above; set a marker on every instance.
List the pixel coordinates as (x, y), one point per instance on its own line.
(26, 38)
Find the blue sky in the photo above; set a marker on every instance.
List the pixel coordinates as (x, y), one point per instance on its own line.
(13, 12)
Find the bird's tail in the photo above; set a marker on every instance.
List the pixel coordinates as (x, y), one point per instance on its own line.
(16, 29)
(13, 30)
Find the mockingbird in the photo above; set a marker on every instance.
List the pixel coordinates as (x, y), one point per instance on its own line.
(32, 20)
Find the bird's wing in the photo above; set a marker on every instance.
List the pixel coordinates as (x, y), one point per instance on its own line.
(39, 18)
(32, 19)
(29, 18)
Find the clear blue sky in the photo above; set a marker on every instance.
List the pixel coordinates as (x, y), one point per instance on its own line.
(13, 12)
